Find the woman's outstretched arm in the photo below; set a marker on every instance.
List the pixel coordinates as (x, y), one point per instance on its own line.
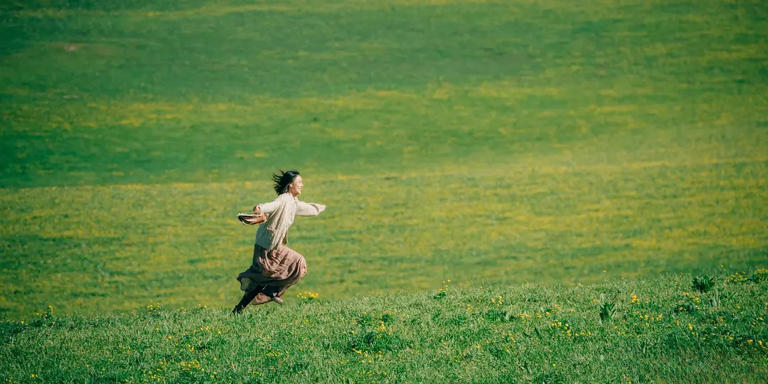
(268, 207)
(309, 209)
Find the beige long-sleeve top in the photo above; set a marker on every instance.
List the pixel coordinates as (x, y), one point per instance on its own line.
(280, 215)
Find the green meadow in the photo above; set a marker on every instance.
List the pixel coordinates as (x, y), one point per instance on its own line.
(657, 330)
(513, 148)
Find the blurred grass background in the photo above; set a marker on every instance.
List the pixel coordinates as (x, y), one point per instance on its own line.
(483, 142)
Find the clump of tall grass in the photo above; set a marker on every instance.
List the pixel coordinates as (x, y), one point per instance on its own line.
(607, 311)
(703, 283)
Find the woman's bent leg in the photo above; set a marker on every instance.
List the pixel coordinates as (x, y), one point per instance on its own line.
(274, 293)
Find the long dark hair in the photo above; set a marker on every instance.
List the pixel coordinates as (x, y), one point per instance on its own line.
(283, 179)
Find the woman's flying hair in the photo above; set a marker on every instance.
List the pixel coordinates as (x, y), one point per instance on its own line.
(283, 179)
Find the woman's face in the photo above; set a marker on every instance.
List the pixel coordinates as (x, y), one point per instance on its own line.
(295, 187)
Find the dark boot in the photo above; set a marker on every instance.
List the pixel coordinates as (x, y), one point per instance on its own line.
(247, 297)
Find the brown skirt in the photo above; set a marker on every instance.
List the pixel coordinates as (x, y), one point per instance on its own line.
(272, 272)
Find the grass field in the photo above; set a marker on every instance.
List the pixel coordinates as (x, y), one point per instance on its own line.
(491, 143)
(660, 330)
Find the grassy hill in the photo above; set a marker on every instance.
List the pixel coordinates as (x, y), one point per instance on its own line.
(663, 329)
(495, 173)
(503, 142)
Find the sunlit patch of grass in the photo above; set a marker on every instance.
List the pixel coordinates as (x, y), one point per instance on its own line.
(503, 156)
(514, 227)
